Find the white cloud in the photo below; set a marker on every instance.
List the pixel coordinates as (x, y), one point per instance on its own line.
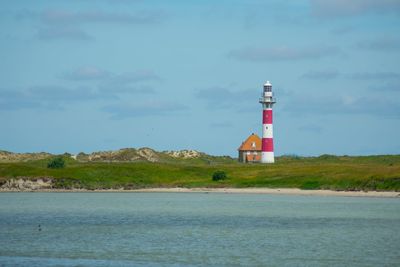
(321, 75)
(343, 8)
(281, 53)
(381, 44)
(64, 24)
(367, 76)
(149, 108)
(384, 106)
(66, 16)
(98, 84)
(374, 75)
(87, 73)
(63, 33)
(223, 98)
(91, 73)
(47, 97)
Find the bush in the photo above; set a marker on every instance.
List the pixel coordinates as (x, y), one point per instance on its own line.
(309, 185)
(327, 157)
(67, 183)
(219, 175)
(56, 163)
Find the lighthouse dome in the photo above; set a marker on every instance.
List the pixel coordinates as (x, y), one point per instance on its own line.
(267, 84)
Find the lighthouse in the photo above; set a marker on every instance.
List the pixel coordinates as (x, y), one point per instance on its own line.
(267, 145)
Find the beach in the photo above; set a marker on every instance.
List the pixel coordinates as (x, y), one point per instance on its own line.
(278, 191)
(261, 190)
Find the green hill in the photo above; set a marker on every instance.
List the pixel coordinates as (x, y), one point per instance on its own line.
(130, 169)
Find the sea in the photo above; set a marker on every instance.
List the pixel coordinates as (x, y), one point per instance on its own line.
(197, 229)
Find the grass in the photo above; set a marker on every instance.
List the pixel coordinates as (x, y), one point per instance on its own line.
(324, 172)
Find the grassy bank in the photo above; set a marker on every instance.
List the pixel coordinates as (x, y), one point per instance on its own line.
(324, 172)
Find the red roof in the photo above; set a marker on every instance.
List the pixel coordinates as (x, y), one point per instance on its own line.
(252, 143)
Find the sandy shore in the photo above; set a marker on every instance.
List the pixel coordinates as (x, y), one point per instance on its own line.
(275, 191)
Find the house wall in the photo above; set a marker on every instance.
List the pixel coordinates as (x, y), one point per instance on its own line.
(241, 156)
(243, 153)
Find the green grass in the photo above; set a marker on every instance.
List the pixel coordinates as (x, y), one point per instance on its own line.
(324, 172)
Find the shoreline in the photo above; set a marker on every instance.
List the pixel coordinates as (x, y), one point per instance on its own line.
(253, 190)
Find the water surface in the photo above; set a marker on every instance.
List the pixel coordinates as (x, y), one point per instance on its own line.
(197, 229)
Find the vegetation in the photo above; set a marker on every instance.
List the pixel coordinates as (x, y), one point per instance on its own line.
(219, 175)
(56, 163)
(324, 172)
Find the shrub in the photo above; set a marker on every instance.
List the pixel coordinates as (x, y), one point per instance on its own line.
(67, 183)
(327, 157)
(56, 163)
(310, 185)
(219, 175)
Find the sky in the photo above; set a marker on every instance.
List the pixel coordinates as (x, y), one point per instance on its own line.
(102, 75)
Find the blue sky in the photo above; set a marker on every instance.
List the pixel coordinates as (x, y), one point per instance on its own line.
(102, 75)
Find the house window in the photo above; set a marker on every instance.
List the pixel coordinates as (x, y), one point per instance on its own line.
(253, 144)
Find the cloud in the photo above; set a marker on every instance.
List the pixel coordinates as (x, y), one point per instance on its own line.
(342, 30)
(221, 124)
(110, 83)
(63, 16)
(117, 89)
(223, 98)
(87, 74)
(381, 44)
(262, 54)
(47, 97)
(344, 8)
(52, 17)
(384, 106)
(103, 86)
(331, 74)
(313, 128)
(62, 94)
(136, 76)
(123, 2)
(386, 87)
(321, 75)
(150, 108)
(62, 33)
(90, 73)
(374, 75)
(13, 100)
(63, 24)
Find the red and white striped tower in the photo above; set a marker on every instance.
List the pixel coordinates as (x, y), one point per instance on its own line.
(267, 146)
